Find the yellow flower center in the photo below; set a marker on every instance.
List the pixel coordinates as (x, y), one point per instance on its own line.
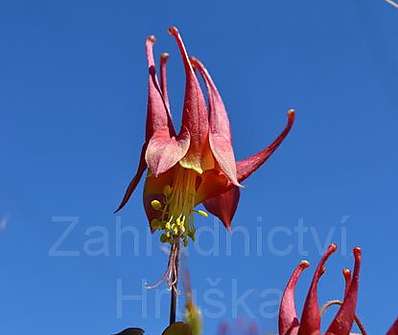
(176, 218)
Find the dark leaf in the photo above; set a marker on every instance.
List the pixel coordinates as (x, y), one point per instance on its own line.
(131, 331)
(178, 328)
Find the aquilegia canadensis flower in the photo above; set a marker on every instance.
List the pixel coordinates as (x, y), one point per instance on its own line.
(198, 164)
(310, 322)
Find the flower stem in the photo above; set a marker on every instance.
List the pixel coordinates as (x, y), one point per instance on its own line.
(174, 260)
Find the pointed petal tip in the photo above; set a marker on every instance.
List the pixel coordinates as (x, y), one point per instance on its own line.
(249, 165)
(173, 30)
(347, 280)
(291, 115)
(304, 264)
(311, 318)
(347, 273)
(164, 56)
(288, 320)
(357, 252)
(136, 179)
(332, 248)
(151, 39)
(342, 322)
(329, 251)
(124, 201)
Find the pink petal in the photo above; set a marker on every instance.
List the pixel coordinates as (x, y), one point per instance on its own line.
(394, 329)
(194, 116)
(347, 279)
(224, 205)
(288, 321)
(163, 149)
(158, 116)
(247, 166)
(164, 152)
(310, 318)
(344, 318)
(163, 85)
(219, 128)
(134, 182)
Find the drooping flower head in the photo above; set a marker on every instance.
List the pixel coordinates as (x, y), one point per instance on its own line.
(198, 164)
(310, 321)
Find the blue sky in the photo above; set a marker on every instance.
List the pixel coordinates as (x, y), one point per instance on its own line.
(72, 113)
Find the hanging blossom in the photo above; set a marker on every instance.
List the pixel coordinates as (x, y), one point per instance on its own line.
(198, 164)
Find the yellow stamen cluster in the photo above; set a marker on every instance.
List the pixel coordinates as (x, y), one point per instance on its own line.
(177, 207)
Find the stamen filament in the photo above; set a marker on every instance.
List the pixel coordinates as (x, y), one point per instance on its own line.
(177, 207)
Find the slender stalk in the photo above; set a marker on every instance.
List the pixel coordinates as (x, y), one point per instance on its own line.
(174, 260)
(173, 305)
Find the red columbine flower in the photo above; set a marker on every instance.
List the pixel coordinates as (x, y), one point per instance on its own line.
(310, 322)
(198, 164)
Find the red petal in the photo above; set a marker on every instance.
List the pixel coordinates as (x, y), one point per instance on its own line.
(224, 205)
(394, 329)
(195, 116)
(344, 318)
(287, 312)
(310, 318)
(212, 183)
(347, 279)
(247, 166)
(164, 152)
(158, 116)
(163, 85)
(153, 190)
(134, 182)
(219, 128)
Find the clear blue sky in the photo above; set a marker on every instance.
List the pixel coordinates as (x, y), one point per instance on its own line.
(72, 110)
